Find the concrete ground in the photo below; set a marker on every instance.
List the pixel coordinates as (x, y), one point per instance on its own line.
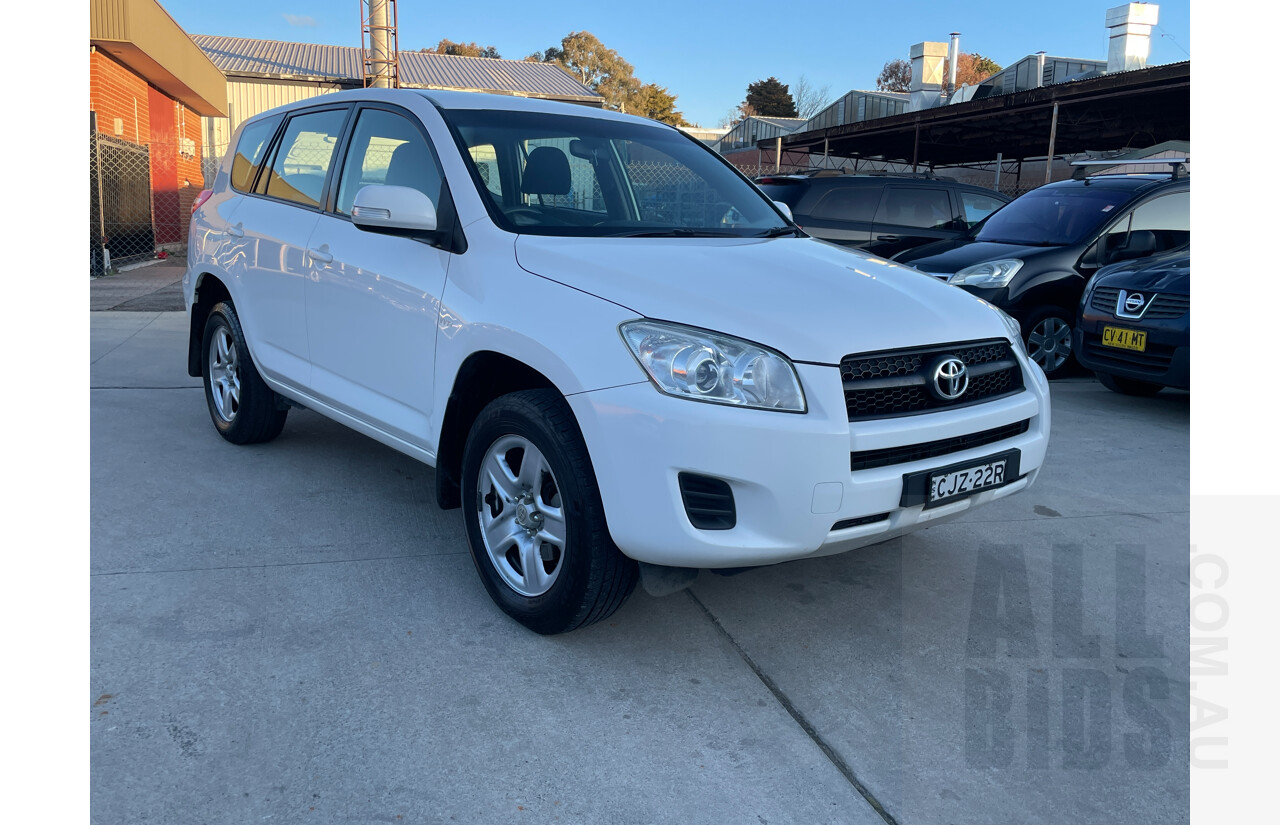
(294, 632)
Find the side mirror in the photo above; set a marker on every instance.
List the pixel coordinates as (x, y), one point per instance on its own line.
(784, 209)
(397, 208)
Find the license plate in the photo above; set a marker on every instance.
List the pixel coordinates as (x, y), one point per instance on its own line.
(940, 485)
(963, 482)
(1122, 338)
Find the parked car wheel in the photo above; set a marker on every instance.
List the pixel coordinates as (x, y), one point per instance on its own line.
(535, 522)
(1049, 340)
(244, 409)
(1128, 386)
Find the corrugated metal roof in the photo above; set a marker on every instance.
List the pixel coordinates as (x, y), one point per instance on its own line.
(274, 58)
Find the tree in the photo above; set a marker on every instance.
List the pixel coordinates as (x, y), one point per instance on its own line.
(654, 101)
(895, 76)
(737, 113)
(971, 69)
(472, 49)
(771, 98)
(597, 66)
(810, 99)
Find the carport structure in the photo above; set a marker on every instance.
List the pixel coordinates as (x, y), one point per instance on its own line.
(1125, 110)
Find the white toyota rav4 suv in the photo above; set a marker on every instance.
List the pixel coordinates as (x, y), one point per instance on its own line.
(622, 359)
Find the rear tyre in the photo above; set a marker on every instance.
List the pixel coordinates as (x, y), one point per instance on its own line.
(1048, 332)
(534, 518)
(243, 408)
(1129, 386)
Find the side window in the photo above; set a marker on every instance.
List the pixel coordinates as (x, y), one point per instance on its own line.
(848, 203)
(485, 158)
(387, 149)
(302, 159)
(249, 151)
(920, 208)
(1157, 225)
(1168, 217)
(978, 206)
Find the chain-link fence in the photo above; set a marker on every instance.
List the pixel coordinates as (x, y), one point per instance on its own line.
(137, 205)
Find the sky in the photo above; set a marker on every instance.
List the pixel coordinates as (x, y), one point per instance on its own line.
(707, 53)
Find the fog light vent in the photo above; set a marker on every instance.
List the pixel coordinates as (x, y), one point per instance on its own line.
(708, 502)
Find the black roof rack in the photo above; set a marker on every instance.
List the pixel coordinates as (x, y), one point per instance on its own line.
(1081, 170)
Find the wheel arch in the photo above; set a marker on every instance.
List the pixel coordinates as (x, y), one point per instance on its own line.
(209, 291)
(482, 377)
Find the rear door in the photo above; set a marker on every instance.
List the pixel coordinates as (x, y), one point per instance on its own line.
(272, 226)
(373, 299)
(909, 216)
(842, 211)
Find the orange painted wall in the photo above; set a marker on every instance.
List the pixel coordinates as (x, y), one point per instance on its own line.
(148, 116)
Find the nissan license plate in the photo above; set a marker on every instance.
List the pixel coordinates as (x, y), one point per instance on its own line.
(1121, 338)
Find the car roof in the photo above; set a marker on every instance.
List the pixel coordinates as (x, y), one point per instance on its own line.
(443, 99)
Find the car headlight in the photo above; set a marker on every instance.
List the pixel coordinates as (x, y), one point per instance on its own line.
(990, 274)
(705, 366)
(1012, 327)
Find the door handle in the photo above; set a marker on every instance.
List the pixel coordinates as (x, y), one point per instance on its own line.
(322, 254)
(236, 231)
(889, 238)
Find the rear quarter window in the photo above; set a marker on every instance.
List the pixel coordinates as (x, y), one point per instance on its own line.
(250, 150)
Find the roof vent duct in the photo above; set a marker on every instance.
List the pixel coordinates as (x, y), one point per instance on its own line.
(1129, 27)
(953, 62)
(927, 60)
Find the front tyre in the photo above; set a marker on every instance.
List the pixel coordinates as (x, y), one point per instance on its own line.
(243, 408)
(534, 518)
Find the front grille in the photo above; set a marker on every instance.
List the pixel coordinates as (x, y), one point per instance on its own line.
(867, 459)
(1105, 299)
(1163, 306)
(1155, 360)
(1167, 306)
(896, 382)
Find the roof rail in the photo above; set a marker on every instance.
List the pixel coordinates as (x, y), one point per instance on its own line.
(1082, 166)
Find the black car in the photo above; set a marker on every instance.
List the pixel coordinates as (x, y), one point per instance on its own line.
(1033, 257)
(883, 214)
(1134, 327)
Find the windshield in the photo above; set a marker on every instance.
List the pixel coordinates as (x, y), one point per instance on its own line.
(1054, 216)
(553, 174)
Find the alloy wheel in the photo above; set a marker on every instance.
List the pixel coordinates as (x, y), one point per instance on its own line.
(224, 374)
(522, 519)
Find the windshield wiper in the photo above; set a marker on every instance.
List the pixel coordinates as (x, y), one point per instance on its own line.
(778, 232)
(678, 232)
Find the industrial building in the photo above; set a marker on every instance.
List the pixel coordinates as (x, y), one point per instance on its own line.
(1015, 129)
(263, 74)
(149, 87)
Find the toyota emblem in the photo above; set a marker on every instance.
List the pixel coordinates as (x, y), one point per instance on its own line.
(950, 378)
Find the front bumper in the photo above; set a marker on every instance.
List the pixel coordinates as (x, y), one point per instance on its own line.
(1166, 360)
(790, 474)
